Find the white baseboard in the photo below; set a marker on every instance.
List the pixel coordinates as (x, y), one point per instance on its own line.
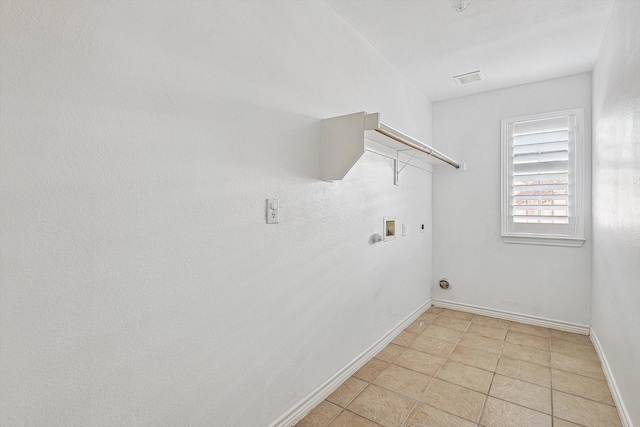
(516, 317)
(613, 386)
(302, 408)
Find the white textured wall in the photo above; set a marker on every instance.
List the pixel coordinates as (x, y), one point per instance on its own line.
(615, 312)
(139, 283)
(546, 281)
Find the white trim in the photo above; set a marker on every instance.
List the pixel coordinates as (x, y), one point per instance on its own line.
(573, 242)
(302, 408)
(625, 418)
(575, 328)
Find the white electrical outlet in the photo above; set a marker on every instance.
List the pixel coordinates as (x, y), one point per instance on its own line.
(273, 211)
(422, 228)
(404, 230)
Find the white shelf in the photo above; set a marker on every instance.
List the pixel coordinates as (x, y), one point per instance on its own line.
(345, 139)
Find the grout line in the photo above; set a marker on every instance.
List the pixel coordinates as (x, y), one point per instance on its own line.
(484, 404)
(529, 361)
(334, 418)
(585, 398)
(493, 375)
(522, 406)
(415, 405)
(580, 375)
(357, 415)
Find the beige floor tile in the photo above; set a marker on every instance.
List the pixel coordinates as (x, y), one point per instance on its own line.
(431, 345)
(528, 354)
(568, 336)
(491, 345)
(403, 381)
(442, 333)
(499, 413)
(404, 338)
(529, 340)
(530, 329)
(428, 416)
(488, 331)
(417, 326)
(474, 357)
(370, 370)
(349, 419)
(382, 406)
(583, 411)
(419, 361)
(491, 321)
(434, 310)
(574, 350)
(525, 371)
(344, 394)
(463, 351)
(467, 376)
(458, 314)
(585, 367)
(581, 386)
(428, 317)
(389, 353)
(454, 399)
(558, 422)
(521, 393)
(452, 323)
(320, 416)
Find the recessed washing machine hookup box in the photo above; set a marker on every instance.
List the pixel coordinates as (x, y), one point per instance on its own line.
(389, 231)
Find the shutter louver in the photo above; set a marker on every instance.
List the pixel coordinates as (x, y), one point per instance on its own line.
(540, 179)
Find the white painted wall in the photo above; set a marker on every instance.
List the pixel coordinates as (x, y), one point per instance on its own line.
(545, 281)
(139, 140)
(615, 311)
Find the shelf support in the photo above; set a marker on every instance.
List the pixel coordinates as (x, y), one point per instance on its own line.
(408, 161)
(396, 163)
(396, 172)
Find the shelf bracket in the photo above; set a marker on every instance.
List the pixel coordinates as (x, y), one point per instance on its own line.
(396, 163)
(396, 172)
(408, 161)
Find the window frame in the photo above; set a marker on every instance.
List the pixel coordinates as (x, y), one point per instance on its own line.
(571, 234)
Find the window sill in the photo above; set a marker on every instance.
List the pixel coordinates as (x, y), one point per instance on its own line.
(574, 242)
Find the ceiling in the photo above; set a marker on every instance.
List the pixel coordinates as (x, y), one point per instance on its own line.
(511, 42)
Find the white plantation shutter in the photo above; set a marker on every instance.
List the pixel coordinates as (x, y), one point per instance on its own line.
(540, 175)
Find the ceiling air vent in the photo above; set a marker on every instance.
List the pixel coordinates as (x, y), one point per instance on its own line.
(463, 79)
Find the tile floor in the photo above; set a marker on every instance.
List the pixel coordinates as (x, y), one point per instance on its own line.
(451, 368)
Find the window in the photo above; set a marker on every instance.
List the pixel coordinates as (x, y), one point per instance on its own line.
(542, 179)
